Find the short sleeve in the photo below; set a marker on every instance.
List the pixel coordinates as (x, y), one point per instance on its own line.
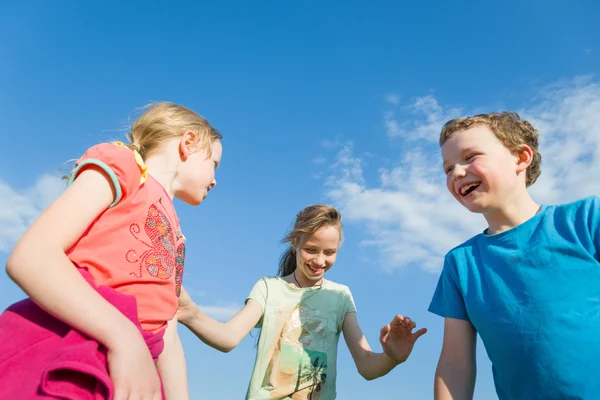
(594, 224)
(448, 301)
(260, 293)
(350, 306)
(347, 306)
(119, 164)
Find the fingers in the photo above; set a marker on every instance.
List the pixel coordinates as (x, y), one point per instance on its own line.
(407, 325)
(384, 332)
(120, 394)
(419, 333)
(127, 395)
(404, 322)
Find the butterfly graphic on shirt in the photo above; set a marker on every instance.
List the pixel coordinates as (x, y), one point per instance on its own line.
(163, 256)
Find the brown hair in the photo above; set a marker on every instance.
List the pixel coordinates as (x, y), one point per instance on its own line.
(166, 120)
(509, 128)
(308, 221)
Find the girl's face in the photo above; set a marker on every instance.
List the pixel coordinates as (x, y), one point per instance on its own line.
(316, 254)
(196, 175)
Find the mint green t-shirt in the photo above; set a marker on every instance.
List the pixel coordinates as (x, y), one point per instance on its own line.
(297, 348)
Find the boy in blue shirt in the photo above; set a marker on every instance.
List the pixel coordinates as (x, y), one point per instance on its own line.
(529, 285)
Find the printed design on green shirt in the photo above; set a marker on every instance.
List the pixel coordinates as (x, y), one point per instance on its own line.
(297, 359)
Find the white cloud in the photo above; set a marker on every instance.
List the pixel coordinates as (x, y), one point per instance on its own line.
(319, 160)
(19, 208)
(411, 219)
(423, 119)
(392, 98)
(221, 312)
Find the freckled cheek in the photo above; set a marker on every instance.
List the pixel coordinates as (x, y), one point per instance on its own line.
(480, 171)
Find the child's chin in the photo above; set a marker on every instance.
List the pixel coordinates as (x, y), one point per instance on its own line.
(474, 208)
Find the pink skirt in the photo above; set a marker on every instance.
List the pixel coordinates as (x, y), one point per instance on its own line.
(43, 358)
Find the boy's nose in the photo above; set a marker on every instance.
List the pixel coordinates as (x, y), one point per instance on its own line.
(458, 172)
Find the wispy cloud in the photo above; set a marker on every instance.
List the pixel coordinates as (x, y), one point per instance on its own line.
(20, 207)
(420, 119)
(392, 98)
(411, 218)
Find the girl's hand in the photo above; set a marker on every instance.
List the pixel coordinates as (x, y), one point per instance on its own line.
(397, 338)
(187, 307)
(133, 372)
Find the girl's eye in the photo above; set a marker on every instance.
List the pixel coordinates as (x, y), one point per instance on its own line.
(310, 250)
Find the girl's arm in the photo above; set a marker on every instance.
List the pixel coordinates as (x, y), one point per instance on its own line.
(222, 336)
(39, 265)
(396, 339)
(171, 365)
(456, 369)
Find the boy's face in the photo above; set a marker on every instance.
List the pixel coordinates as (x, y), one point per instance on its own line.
(481, 173)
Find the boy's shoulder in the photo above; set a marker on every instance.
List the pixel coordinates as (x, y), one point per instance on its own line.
(583, 211)
(589, 202)
(464, 249)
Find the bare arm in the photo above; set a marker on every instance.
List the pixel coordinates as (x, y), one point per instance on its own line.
(39, 265)
(222, 336)
(396, 337)
(171, 365)
(456, 370)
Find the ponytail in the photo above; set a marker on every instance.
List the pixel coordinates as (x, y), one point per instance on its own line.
(287, 262)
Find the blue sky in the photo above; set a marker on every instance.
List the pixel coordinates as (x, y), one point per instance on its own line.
(318, 102)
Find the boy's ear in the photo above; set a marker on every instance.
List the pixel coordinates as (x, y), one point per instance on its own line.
(524, 157)
(185, 144)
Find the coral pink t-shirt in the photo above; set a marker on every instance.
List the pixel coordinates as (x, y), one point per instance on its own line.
(135, 246)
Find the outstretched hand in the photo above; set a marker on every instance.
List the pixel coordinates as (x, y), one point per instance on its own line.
(186, 308)
(397, 338)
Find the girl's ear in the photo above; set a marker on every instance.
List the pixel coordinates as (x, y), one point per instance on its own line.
(185, 144)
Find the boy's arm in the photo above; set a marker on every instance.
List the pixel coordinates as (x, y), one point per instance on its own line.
(171, 365)
(456, 370)
(396, 338)
(221, 336)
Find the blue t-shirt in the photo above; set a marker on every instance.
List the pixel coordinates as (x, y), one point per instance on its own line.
(533, 295)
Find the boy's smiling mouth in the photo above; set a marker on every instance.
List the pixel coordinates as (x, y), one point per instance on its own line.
(468, 188)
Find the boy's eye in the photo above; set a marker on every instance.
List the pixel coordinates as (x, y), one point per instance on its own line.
(471, 156)
(448, 170)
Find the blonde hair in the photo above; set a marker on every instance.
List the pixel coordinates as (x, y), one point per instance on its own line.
(308, 221)
(509, 128)
(164, 120)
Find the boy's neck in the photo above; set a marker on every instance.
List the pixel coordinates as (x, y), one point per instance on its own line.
(514, 213)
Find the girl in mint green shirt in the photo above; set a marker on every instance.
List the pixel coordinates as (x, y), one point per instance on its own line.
(301, 316)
